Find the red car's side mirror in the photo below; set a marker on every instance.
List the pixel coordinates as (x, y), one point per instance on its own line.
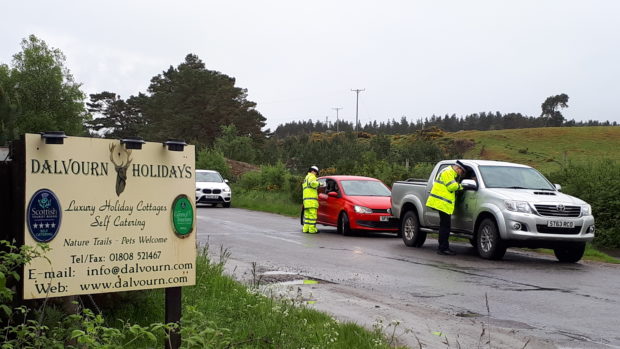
(333, 194)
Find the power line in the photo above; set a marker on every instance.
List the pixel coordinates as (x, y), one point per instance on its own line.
(357, 99)
(337, 109)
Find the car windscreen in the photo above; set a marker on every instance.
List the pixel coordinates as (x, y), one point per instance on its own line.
(208, 177)
(364, 188)
(514, 178)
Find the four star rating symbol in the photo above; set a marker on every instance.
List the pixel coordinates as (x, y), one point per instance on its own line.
(46, 225)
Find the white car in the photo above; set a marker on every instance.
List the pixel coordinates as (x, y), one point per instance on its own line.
(211, 188)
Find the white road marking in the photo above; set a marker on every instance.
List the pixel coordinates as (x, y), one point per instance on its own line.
(284, 239)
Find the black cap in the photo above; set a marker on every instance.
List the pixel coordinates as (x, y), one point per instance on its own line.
(461, 165)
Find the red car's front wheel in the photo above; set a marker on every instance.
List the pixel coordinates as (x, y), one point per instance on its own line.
(344, 227)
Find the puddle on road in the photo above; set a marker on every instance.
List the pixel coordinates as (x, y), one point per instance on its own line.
(283, 282)
(288, 278)
(426, 295)
(468, 314)
(496, 322)
(510, 324)
(277, 272)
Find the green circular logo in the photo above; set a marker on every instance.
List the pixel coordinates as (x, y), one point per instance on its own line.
(182, 216)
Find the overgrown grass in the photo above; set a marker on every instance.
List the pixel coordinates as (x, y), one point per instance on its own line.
(219, 312)
(266, 201)
(546, 149)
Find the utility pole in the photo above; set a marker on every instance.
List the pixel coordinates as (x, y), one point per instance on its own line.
(357, 99)
(336, 109)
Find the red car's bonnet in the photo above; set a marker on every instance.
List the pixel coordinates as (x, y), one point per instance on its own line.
(377, 202)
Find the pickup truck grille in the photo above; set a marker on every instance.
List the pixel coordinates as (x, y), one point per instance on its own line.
(564, 231)
(558, 210)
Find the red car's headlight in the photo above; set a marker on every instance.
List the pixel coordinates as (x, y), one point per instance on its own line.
(362, 209)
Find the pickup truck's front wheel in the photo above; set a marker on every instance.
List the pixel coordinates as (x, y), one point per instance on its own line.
(570, 253)
(410, 229)
(488, 242)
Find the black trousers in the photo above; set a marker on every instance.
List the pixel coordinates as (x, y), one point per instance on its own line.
(444, 230)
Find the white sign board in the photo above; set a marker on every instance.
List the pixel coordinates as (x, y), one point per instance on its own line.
(115, 219)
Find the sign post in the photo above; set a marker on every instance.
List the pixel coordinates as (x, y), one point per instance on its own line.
(173, 315)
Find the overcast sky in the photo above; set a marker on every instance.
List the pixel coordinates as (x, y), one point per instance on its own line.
(299, 59)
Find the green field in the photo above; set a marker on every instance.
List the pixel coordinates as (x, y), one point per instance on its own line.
(546, 149)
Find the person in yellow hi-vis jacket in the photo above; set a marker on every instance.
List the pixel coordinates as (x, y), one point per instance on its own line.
(442, 198)
(311, 200)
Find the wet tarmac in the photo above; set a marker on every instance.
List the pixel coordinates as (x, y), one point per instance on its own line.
(526, 300)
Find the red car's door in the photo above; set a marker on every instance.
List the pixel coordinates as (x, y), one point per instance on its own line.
(322, 201)
(334, 203)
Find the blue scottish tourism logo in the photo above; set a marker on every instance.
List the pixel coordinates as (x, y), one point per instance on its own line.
(44, 215)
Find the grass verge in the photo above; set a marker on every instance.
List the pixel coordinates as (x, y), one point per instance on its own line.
(266, 201)
(219, 312)
(591, 254)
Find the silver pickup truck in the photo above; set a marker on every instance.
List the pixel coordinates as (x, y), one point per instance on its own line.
(502, 205)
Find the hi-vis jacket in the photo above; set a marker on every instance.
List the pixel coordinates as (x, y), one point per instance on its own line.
(310, 194)
(442, 195)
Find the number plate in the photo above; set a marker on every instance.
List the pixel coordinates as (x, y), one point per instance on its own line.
(211, 196)
(385, 218)
(560, 224)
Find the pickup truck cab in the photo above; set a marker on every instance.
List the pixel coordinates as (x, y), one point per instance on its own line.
(502, 205)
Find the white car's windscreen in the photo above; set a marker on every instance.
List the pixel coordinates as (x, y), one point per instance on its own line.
(208, 177)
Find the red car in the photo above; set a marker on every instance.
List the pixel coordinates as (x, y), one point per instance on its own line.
(355, 203)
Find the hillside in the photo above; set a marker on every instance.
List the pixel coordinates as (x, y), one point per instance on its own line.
(544, 148)
(238, 168)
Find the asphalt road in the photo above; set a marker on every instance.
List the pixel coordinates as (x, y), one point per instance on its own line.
(527, 300)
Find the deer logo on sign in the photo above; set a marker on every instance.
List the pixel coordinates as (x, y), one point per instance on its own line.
(121, 168)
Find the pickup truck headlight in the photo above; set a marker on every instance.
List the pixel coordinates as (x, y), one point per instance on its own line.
(518, 206)
(586, 210)
(362, 209)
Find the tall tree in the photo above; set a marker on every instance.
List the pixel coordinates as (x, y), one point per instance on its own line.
(191, 102)
(9, 109)
(235, 147)
(40, 91)
(117, 118)
(552, 116)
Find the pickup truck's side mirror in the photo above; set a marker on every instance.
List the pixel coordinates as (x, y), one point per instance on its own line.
(333, 194)
(469, 184)
(558, 187)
